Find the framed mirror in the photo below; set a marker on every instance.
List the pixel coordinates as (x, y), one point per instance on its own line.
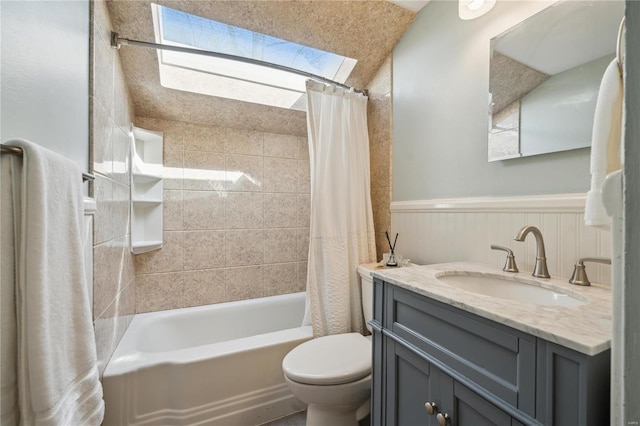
(545, 75)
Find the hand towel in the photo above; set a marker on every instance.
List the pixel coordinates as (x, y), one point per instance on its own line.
(605, 144)
(58, 379)
(9, 411)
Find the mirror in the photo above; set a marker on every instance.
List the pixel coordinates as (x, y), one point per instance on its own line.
(545, 75)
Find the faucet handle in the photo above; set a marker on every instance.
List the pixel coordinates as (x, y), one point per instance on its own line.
(510, 264)
(579, 276)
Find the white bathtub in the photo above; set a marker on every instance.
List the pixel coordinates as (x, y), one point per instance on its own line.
(214, 365)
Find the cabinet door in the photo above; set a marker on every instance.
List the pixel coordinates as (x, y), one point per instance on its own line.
(464, 407)
(409, 386)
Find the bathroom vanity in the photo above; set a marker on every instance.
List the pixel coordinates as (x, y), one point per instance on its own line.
(447, 356)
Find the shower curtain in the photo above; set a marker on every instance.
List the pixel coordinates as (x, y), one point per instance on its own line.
(342, 233)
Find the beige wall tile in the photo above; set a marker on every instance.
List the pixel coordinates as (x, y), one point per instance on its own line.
(203, 250)
(121, 148)
(244, 283)
(303, 185)
(285, 146)
(280, 245)
(105, 277)
(304, 210)
(101, 19)
(173, 173)
(243, 142)
(280, 210)
(121, 114)
(204, 171)
(172, 210)
(302, 244)
(120, 218)
(303, 148)
(280, 174)
(302, 276)
(280, 279)
(158, 292)
(204, 210)
(245, 247)
(172, 131)
(380, 162)
(103, 71)
(251, 170)
(204, 138)
(199, 210)
(103, 193)
(244, 210)
(101, 142)
(381, 201)
(203, 287)
(166, 259)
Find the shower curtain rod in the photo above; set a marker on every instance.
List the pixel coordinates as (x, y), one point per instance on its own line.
(17, 151)
(117, 42)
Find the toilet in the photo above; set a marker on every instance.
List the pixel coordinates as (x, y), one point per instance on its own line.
(332, 374)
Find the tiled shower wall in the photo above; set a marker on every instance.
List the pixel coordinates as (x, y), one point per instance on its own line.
(236, 217)
(379, 122)
(114, 278)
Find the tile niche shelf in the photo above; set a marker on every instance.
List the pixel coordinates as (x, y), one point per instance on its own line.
(146, 190)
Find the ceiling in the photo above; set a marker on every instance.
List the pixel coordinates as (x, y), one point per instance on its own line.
(366, 30)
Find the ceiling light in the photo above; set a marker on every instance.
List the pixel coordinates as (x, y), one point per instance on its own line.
(471, 9)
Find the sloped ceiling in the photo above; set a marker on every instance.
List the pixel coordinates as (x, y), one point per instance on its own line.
(366, 30)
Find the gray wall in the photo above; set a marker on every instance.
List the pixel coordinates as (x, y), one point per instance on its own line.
(45, 75)
(440, 121)
(631, 179)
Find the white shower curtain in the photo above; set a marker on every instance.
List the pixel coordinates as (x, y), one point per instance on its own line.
(342, 234)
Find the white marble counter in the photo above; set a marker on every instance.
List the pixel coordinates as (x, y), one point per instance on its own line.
(585, 328)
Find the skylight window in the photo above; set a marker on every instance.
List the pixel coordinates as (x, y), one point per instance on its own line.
(234, 79)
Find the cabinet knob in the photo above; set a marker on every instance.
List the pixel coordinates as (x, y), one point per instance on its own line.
(443, 419)
(431, 408)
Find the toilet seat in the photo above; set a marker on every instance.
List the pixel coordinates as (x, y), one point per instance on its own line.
(329, 360)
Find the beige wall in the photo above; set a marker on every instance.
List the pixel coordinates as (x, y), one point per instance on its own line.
(114, 278)
(379, 122)
(236, 217)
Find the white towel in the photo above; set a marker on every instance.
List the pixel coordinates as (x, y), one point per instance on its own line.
(9, 411)
(58, 379)
(605, 144)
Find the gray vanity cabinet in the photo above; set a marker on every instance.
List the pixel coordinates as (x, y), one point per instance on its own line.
(474, 370)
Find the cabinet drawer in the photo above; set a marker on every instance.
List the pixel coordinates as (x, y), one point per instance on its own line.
(497, 358)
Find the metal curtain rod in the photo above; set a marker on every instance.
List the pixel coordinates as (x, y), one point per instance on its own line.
(15, 150)
(117, 41)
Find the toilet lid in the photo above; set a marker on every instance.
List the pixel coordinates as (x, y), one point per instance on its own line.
(329, 360)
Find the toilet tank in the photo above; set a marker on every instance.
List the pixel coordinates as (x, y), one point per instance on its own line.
(366, 285)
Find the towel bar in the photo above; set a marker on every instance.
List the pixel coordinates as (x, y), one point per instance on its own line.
(5, 149)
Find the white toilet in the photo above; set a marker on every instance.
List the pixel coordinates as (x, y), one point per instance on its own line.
(332, 374)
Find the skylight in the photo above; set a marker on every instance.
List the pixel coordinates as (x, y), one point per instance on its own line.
(234, 79)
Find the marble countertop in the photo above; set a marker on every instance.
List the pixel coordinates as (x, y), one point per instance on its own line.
(585, 328)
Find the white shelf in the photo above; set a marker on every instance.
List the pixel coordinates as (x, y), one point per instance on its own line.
(146, 178)
(145, 246)
(146, 190)
(147, 202)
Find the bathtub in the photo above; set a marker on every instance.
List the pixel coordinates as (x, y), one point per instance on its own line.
(215, 365)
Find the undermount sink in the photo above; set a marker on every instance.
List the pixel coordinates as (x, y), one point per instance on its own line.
(521, 290)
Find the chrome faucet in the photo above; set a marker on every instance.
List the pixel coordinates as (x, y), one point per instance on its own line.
(579, 276)
(540, 269)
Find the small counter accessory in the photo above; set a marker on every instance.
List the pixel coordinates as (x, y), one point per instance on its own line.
(392, 257)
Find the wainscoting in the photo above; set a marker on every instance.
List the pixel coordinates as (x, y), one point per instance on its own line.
(446, 230)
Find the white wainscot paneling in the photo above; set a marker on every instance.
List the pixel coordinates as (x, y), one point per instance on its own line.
(438, 231)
